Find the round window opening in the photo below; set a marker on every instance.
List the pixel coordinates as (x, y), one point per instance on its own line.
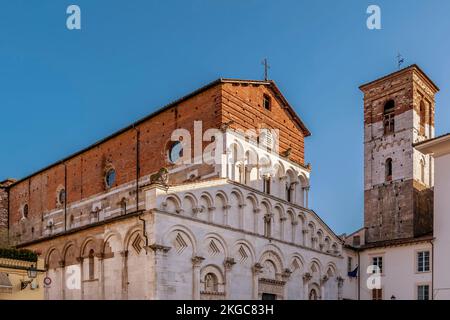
(175, 151)
(62, 196)
(110, 178)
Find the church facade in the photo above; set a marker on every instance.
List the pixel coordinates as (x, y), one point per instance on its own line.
(143, 214)
(207, 198)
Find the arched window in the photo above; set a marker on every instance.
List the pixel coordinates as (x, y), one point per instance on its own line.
(289, 192)
(211, 283)
(110, 178)
(91, 265)
(423, 111)
(388, 117)
(267, 225)
(313, 294)
(389, 169)
(422, 171)
(25, 211)
(266, 184)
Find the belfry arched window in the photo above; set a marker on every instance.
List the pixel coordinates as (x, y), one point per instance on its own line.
(423, 112)
(388, 169)
(388, 117)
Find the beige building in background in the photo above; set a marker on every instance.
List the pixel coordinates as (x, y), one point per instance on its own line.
(439, 149)
(14, 277)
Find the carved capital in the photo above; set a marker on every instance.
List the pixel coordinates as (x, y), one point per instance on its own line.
(62, 263)
(197, 261)
(124, 253)
(305, 231)
(324, 279)
(226, 207)
(80, 259)
(242, 205)
(211, 208)
(256, 210)
(257, 268)
(286, 273)
(307, 276)
(229, 263)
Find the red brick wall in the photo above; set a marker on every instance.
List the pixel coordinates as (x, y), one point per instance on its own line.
(85, 172)
(244, 105)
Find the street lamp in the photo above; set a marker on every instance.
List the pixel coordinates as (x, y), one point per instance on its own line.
(32, 274)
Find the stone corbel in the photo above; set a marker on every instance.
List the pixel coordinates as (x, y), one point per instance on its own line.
(159, 247)
(257, 268)
(197, 261)
(286, 274)
(124, 253)
(229, 263)
(307, 276)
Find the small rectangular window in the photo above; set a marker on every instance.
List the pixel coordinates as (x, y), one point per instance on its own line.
(423, 292)
(266, 102)
(349, 264)
(423, 261)
(356, 241)
(378, 261)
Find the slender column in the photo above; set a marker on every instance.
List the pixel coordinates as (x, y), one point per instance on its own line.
(256, 219)
(196, 263)
(306, 278)
(225, 214)
(157, 273)
(228, 264)
(124, 255)
(282, 226)
(101, 276)
(241, 216)
(294, 230)
(257, 270)
(306, 197)
(63, 279)
(80, 261)
(285, 276)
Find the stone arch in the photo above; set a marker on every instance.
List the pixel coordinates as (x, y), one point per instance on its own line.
(327, 243)
(129, 234)
(112, 265)
(221, 203)
(185, 232)
(206, 204)
(69, 253)
(315, 268)
(205, 285)
(217, 239)
(279, 221)
(171, 204)
(320, 237)
(250, 250)
(190, 204)
(236, 161)
(52, 258)
(88, 244)
(312, 234)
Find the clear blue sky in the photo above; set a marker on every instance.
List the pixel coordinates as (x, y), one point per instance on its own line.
(62, 90)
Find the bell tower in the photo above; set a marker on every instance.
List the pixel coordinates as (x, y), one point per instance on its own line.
(398, 179)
